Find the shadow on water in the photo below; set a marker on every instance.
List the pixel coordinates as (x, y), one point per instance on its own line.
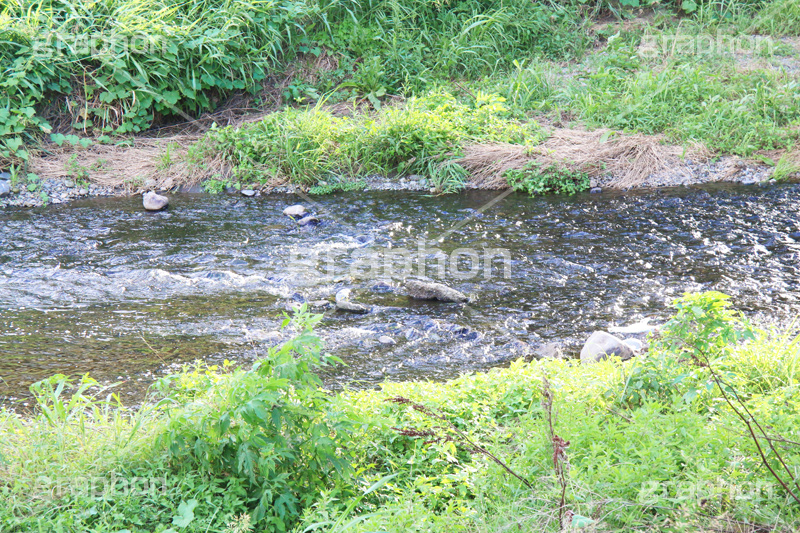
(102, 287)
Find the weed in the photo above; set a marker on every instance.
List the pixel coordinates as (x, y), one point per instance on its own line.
(536, 180)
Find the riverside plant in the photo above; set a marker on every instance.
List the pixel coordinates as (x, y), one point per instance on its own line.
(653, 443)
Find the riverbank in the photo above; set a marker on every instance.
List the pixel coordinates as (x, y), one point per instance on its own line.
(626, 97)
(551, 445)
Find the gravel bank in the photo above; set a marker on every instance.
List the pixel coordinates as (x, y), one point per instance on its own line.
(59, 191)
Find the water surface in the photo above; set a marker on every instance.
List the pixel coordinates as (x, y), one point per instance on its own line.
(102, 287)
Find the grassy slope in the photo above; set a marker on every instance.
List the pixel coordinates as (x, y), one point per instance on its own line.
(366, 51)
(652, 446)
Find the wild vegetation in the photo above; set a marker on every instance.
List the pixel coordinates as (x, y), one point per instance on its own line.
(660, 443)
(78, 72)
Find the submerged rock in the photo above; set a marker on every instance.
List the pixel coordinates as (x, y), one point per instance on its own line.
(343, 303)
(387, 340)
(154, 202)
(422, 290)
(295, 211)
(601, 344)
(309, 220)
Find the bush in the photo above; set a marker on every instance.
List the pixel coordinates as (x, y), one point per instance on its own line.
(270, 427)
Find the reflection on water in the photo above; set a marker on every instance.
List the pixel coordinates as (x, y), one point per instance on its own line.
(103, 287)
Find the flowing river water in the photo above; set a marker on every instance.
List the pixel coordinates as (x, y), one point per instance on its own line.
(100, 286)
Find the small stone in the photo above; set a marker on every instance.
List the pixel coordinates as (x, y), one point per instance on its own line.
(154, 202)
(83, 192)
(5, 176)
(248, 192)
(343, 303)
(5, 189)
(387, 340)
(69, 184)
(596, 190)
(295, 211)
(422, 290)
(310, 220)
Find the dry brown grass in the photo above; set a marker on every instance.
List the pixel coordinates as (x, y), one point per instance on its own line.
(161, 160)
(629, 159)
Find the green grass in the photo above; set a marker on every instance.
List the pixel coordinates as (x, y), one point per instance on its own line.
(425, 135)
(652, 444)
(152, 62)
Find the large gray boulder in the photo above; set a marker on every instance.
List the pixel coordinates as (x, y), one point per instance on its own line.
(423, 290)
(154, 202)
(600, 345)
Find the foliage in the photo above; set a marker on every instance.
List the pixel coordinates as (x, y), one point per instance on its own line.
(654, 456)
(268, 426)
(337, 186)
(778, 18)
(730, 112)
(420, 137)
(536, 180)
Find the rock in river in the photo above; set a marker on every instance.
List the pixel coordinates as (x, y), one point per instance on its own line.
(154, 202)
(423, 290)
(601, 344)
(309, 220)
(295, 211)
(343, 303)
(5, 189)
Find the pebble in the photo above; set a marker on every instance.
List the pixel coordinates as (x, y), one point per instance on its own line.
(248, 192)
(387, 340)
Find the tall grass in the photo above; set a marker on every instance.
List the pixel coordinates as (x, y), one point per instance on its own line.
(421, 137)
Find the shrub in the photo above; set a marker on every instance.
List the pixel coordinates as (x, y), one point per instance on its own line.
(270, 427)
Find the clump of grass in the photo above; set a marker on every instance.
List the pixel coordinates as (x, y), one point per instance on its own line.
(778, 18)
(736, 113)
(788, 165)
(421, 137)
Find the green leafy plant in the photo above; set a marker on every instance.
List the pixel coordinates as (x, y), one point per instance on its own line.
(270, 426)
(535, 180)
